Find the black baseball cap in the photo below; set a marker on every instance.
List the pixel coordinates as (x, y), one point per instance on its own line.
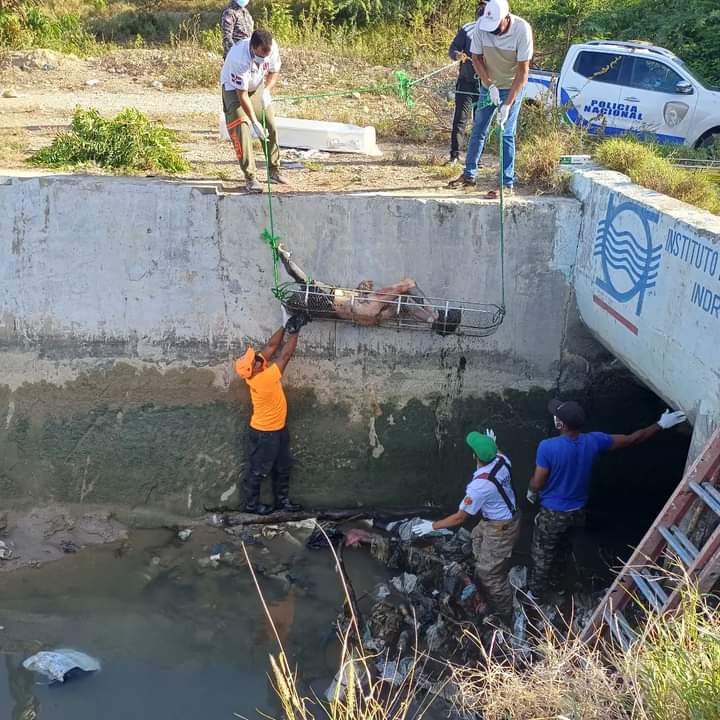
(570, 412)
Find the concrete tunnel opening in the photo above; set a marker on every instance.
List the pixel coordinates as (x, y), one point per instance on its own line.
(120, 323)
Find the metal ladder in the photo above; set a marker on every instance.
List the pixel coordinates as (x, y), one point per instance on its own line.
(641, 577)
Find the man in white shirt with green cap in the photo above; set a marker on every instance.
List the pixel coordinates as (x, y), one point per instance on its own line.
(490, 498)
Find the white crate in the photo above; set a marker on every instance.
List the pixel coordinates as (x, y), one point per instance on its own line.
(319, 135)
(330, 136)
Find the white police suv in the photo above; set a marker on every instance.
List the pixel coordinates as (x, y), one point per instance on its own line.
(631, 87)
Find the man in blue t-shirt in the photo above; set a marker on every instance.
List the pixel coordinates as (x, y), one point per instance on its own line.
(563, 467)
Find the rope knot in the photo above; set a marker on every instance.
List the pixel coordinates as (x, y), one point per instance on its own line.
(272, 240)
(404, 84)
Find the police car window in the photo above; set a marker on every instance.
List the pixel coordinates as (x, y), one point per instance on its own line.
(652, 75)
(600, 67)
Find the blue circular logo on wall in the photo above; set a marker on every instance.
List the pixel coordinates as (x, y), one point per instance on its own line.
(629, 261)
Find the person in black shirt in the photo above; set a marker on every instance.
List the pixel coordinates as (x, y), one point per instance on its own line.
(467, 88)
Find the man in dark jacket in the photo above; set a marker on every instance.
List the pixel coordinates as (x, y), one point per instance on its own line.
(467, 87)
(236, 23)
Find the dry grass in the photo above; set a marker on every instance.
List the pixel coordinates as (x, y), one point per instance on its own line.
(202, 71)
(440, 168)
(415, 126)
(14, 145)
(646, 167)
(671, 672)
(198, 56)
(675, 665)
(543, 136)
(359, 695)
(538, 162)
(570, 680)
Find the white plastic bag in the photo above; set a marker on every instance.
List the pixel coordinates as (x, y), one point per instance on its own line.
(56, 664)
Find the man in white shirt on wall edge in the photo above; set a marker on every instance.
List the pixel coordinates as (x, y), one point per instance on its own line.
(501, 49)
(249, 73)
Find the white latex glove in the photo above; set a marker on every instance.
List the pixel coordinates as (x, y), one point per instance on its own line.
(503, 114)
(494, 94)
(260, 131)
(423, 528)
(670, 419)
(531, 496)
(266, 99)
(491, 434)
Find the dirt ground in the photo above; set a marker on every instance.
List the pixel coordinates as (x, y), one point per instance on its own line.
(31, 538)
(39, 90)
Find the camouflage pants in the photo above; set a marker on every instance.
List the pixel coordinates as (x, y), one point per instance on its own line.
(492, 544)
(551, 547)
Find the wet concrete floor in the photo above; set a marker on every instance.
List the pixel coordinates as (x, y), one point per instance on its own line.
(177, 641)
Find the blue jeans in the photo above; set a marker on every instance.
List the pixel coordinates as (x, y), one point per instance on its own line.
(483, 118)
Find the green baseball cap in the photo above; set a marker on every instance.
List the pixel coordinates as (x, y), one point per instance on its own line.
(482, 445)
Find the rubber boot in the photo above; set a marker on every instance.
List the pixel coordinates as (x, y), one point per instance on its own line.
(252, 504)
(286, 505)
(257, 508)
(282, 495)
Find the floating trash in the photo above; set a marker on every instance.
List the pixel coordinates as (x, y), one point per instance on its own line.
(57, 664)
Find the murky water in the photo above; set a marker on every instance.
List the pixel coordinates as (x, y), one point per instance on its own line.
(176, 641)
(182, 642)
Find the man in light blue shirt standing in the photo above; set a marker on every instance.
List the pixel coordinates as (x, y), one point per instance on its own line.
(563, 467)
(490, 496)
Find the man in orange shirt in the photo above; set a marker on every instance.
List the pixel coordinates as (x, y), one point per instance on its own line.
(268, 433)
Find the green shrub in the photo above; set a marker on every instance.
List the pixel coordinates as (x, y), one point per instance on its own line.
(424, 25)
(29, 26)
(621, 154)
(708, 151)
(128, 141)
(279, 19)
(212, 40)
(645, 166)
(158, 26)
(14, 33)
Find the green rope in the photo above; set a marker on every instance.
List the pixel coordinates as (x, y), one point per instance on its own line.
(404, 87)
(268, 236)
(480, 104)
(432, 73)
(337, 93)
(502, 219)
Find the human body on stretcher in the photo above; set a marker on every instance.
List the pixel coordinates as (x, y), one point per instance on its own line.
(365, 305)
